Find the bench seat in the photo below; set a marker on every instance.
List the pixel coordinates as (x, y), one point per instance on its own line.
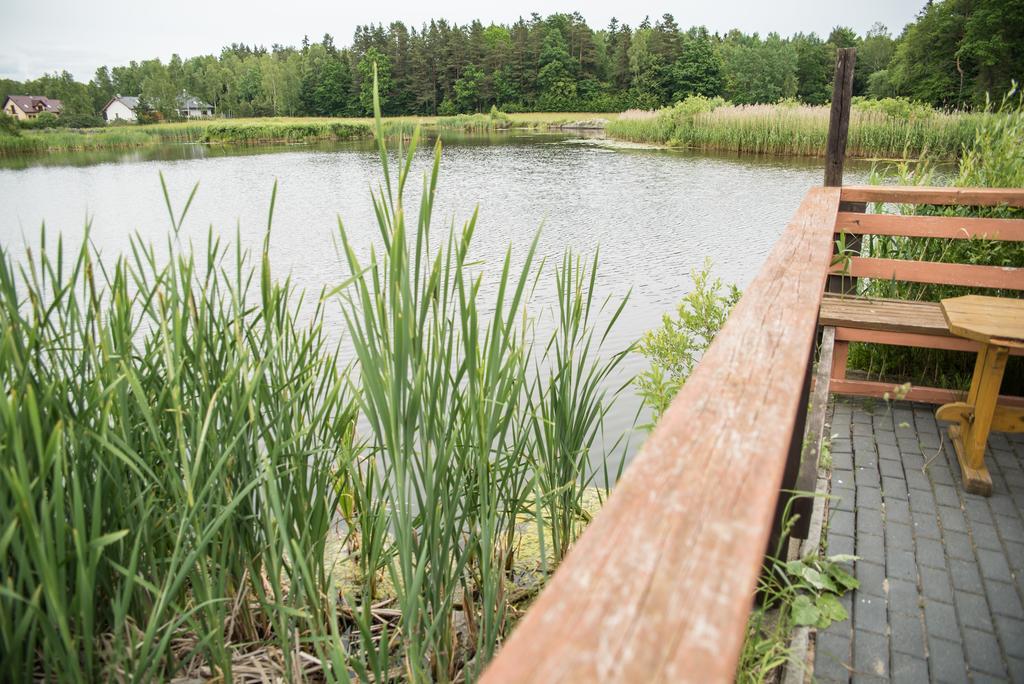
(888, 315)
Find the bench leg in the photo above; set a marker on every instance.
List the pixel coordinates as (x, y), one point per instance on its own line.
(970, 434)
(840, 354)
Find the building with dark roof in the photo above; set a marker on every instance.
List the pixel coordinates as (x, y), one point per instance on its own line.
(190, 107)
(121, 108)
(24, 107)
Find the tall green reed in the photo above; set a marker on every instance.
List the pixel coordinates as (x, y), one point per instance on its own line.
(171, 435)
(180, 460)
(461, 413)
(788, 128)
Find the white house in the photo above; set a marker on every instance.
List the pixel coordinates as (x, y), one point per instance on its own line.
(121, 109)
(192, 107)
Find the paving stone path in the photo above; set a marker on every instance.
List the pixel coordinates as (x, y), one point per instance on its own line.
(941, 572)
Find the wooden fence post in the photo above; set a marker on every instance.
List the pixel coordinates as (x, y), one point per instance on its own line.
(839, 117)
(835, 156)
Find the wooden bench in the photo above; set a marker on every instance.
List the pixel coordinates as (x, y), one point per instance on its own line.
(895, 322)
(849, 319)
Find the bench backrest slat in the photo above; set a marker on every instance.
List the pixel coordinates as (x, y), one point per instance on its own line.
(903, 194)
(947, 227)
(966, 275)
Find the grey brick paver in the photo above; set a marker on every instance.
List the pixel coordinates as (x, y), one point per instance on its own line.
(1010, 528)
(870, 653)
(946, 496)
(925, 525)
(930, 553)
(985, 536)
(900, 563)
(839, 544)
(935, 584)
(897, 511)
(869, 613)
(972, 611)
(1016, 666)
(898, 536)
(907, 668)
(958, 545)
(940, 620)
(993, 565)
(941, 571)
(1004, 600)
(965, 575)
(952, 519)
(983, 653)
(831, 658)
(1011, 635)
(904, 598)
(871, 548)
(946, 661)
(907, 634)
(871, 577)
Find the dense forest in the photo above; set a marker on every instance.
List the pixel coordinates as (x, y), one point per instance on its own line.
(954, 53)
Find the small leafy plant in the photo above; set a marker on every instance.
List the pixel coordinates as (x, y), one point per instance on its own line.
(817, 584)
(675, 347)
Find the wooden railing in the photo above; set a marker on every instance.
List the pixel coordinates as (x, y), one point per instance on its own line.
(660, 585)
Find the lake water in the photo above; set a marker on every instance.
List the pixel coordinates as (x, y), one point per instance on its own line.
(655, 214)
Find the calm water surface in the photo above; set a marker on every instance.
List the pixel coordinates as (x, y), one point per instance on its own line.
(655, 215)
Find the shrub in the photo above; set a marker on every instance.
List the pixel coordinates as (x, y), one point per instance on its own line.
(9, 126)
(675, 348)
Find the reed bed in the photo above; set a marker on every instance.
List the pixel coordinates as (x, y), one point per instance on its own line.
(184, 488)
(495, 120)
(801, 130)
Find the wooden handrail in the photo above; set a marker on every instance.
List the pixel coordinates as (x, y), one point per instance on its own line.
(903, 194)
(659, 586)
(944, 227)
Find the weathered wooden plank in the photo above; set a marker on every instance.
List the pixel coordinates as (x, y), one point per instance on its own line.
(944, 227)
(808, 477)
(659, 586)
(967, 275)
(908, 194)
(926, 395)
(893, 315)
(797, 505)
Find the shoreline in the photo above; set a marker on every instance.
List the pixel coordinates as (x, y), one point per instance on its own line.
(617, 134)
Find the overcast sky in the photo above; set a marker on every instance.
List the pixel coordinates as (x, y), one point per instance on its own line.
(38, 36)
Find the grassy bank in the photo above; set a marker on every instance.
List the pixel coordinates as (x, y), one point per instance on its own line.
(240, 131)
(262, 131)
(899, 130)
